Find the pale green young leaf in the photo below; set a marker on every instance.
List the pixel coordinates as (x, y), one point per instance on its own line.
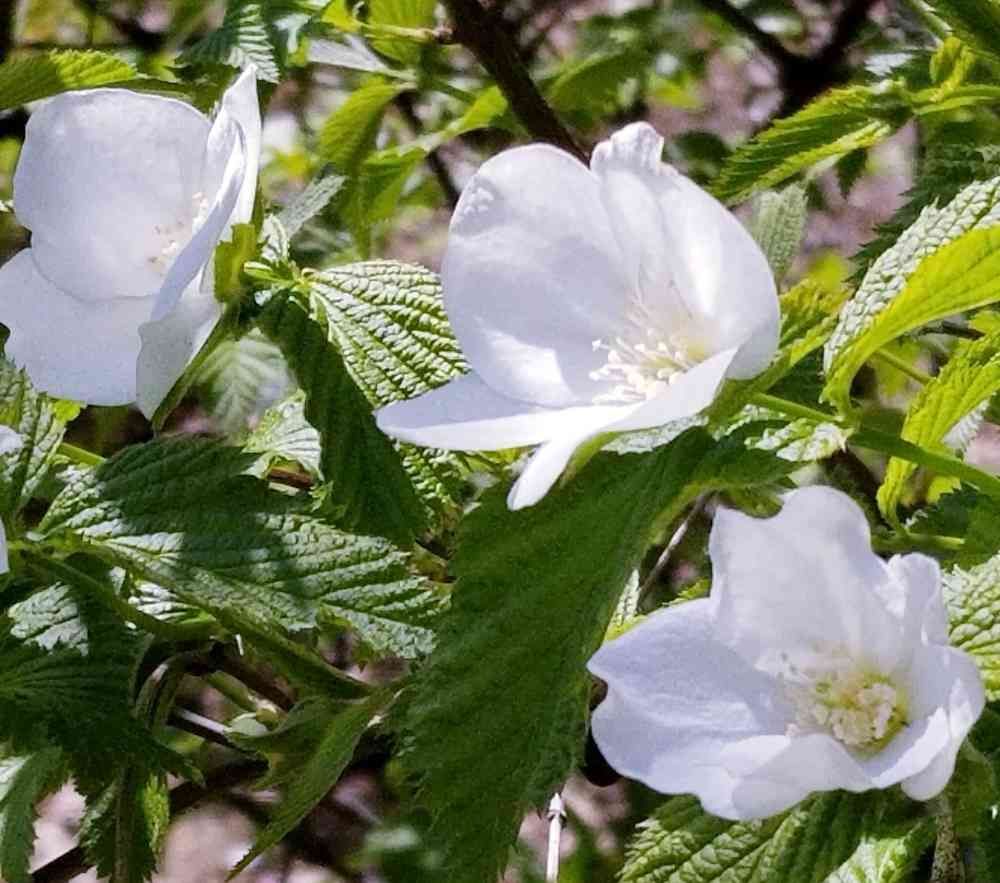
(309, 203)
(837, 836)
(837, 123)
(365, 471)
(240, 377)
(49, 73)
(387, 320)
(946, 262)
(245, 38)
(972, 596)
(349, 134)
(319, 756)
(400, 14)
(40, 421)
(183, 514)
(977, 22)
(497, 716)
(778, 224)
(592, 84)
(962, 388)
(24, 781)
(284, 435)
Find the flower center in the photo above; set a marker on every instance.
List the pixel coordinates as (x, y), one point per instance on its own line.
(860, 708)
(644, 357)
(173, 236)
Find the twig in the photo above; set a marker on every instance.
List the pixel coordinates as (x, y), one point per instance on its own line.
(200, 726)
(484, 34)
(232, 664)
(678, 536)
(557, 820)
(74, 862)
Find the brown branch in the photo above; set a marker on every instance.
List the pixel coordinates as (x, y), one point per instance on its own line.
(74, 862)
(767, 43)
(484, 34)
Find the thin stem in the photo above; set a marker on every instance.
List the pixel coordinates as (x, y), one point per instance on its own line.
(901, 365)
(678, 536)
(236, 667)
(792, 409)
(60, 571)
(231, 689)
(79, 455)
(200, 726)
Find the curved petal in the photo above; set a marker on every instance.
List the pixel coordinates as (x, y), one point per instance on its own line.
(805, 579)
(678, 699)
(944, 678)
(693, 261)
(689, 394)
(467, 415)
(169, 345)
(241, 105)
(70, 348)
(196, 256)
(921, 605)
(108, 183)
(532, 276)
(4, 561)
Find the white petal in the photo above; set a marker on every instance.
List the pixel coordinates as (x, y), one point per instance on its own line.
(922, 610)
(4, 561)
(10, 441)
(804, 579)
(240, 106)
(72, 349)
(532, 276)
(169, 345)
(677, 700)
(690, 256)
(944, 678)
(689, 394)
(466, 415)
(105, 182)
(195, 257)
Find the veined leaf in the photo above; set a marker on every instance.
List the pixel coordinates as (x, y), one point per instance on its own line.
(500, 707)
(366, 475)
(977, 22)
(400, 14)
(848, 838)
(49, 73)
(779, 222)
(348, 136)
(388, 322)
(309, 752)
(965, 384)
(24, 781)
(183, 514)
(972, 597)
(309, 203)
(947, 262)
(592, 84)
(838, 122)
(284, 434)
(244, 38)
(40, 421)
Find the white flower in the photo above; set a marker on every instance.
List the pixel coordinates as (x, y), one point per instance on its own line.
(126, 196)
(589, 301)
(10, 442)
(813, 666)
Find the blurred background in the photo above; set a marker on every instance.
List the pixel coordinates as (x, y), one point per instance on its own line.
(706, 73)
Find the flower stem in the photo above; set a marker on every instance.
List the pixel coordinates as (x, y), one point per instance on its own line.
(79, 455)
(902, 366)
(60, 571)
(792, 409)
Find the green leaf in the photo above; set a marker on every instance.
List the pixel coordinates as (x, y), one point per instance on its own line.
(977, 22)
(40, 422)
(944, 172)
(837, 123)
(366, 474)
(349, 134)
(309, 203)
(861, 838)
(972, 597)
(245, 38)
(238, 377)
(507, 682)
(946, 262)
(968, 381)
(49, 73)
(284, 435)
(387, 320)
(309, 753)
(400, 14)
(24, 781)
(592, 84)
(778, 224)
(181, 513)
